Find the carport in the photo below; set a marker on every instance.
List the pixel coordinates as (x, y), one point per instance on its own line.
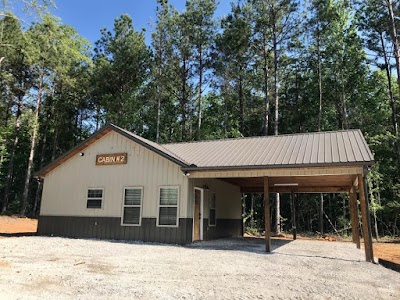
(326, 162)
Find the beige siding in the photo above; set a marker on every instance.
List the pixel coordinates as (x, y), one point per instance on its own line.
(66, 186)
(229, 202)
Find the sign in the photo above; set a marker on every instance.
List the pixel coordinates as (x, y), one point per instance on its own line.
(111, 159)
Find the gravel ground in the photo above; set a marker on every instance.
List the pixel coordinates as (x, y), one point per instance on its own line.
(61, 268)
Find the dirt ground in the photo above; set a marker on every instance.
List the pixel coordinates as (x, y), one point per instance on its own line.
(60, 268)
(13, 224)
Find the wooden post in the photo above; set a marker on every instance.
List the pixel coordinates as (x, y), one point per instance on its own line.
(355, 230)
(267, 215)
(294, 229)
(369, 255)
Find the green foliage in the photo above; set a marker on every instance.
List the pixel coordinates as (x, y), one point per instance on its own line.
(324, 66)
(121, 65)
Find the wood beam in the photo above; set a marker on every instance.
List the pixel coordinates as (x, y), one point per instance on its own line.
(369, 255)
(302, 189)
(355, 229)
(267, 215)
(309, 189)
(294, 229)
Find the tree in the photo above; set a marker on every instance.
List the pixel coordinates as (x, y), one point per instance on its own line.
(17, 76)
(121, 67)
(233, 65)
(281, 25)
(199, 16)
(55, 48)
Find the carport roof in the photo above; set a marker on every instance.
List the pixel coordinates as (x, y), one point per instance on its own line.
(346, 147)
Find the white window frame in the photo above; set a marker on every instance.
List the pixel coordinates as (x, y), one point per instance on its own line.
(215, 209)
(87, 198)
(123, 205)
(159, 205)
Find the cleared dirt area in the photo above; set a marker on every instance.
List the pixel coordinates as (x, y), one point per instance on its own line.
(388, 251)
(47, 268)
(15, 224)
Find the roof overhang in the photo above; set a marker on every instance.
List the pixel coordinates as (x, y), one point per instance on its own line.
(314, 179)
(258, 167)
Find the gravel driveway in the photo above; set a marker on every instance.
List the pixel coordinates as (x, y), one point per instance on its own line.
(61, 268)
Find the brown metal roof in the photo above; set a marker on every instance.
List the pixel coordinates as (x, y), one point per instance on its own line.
(295, 150)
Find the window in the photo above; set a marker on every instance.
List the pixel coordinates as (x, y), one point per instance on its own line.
(132, 206)
(168, 206)
(94, 198)
(212, 221)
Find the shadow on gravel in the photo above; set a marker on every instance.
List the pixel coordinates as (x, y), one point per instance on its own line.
(319, 256)
(246, 244)
(18, 234)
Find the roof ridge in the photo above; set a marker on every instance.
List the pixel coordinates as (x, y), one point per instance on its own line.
(259, 137)
(149, 142)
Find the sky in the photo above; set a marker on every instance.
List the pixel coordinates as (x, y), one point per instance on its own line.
(89, 16)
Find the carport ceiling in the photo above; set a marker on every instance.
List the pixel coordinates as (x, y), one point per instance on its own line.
(297, 184)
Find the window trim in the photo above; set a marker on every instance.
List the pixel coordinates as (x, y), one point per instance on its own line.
(141, 205)
(159, 206)
(215, 209)
(102, 198)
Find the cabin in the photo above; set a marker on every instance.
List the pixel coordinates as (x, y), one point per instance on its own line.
(118, 185)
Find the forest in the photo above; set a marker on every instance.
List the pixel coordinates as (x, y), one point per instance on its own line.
(267, 67)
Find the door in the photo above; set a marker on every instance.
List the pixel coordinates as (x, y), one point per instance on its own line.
(197, 215)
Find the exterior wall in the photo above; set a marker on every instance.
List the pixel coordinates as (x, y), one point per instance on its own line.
(110, 228)
(228, 208)
(65, 187)
(64, 213)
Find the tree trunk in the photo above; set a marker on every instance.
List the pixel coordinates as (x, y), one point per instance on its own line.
(319, 82)
(266, 94)
(278, 214)
(321, 214)
(252, 211)
(32, 151)
(200, 92)
(158, 118)
(10, 169)
(226, 119)
(276, 127)
(183, 101)
(321, 201)
(241, 102)
(393, 33)
(390, 88)
(160, 62)
(42, 153)
(276, 84)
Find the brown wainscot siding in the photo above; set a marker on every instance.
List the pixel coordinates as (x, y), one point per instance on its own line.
(110, 228)
(224, 228)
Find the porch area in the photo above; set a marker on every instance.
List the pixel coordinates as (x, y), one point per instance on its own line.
(343, 179)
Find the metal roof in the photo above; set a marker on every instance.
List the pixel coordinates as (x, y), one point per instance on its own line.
(160, 149)
(294, 150)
